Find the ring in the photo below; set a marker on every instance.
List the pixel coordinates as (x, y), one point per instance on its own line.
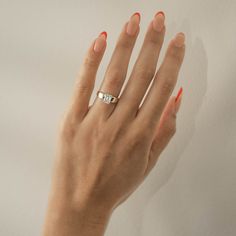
(106, 97)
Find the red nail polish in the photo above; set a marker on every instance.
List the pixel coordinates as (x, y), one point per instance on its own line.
(160, 13)
(138, 14)
(179, 94)
(104, 33)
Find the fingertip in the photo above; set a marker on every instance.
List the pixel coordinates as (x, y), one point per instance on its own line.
(104, 35)
(179, 40)
(100, 42)
(176, 53)
(133, 24)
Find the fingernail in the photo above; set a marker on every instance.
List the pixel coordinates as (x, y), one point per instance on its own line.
(178, 99)
(104, 34)
(179, 94)
(159, 21)
(179, 40)
(133, 24)
(100, 42)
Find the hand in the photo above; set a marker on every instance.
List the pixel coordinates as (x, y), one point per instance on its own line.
(106, 150)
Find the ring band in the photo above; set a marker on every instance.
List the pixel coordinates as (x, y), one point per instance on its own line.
(106, 97)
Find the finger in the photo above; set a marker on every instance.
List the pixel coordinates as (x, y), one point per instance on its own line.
(118, 66)
(165, 129)
(144, 68)
(163, 84)
(86, 77)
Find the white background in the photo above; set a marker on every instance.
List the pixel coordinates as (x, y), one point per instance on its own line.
(192, 190)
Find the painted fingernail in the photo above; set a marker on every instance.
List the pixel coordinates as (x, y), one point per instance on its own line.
(104, 34)
(179, 94)
(179, 40)
(178, 99)
(159, 21)
(100, 42)
(133, 24)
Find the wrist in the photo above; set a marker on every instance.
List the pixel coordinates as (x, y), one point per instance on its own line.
(63, 218)
(67, 216)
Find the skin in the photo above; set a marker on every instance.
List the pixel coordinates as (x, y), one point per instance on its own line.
(105, 151)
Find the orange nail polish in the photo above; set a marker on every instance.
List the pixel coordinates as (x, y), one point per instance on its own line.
(133, 24)
(160, 13)
(138, 14)
(104, 33)
(179, 94)
(159, 21)
(100, 42)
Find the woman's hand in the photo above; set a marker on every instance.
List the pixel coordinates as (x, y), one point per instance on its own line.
(106, 150)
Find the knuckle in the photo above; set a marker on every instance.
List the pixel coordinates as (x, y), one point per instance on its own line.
(114, 78)
(167, 86)
(176, 54)
(135, 141)
(83, 88)
(174, 116)
(124, 44)
(171, 128)
(139, 137)
(150, 73)
(90, 62)
(144, 73)
(155, 41)
(67, 127)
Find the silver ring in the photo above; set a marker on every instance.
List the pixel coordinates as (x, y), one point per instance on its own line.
(106, 97)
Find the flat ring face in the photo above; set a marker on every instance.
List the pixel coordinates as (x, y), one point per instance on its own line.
(106, 97)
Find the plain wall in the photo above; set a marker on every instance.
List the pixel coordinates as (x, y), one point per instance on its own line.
(192, 190)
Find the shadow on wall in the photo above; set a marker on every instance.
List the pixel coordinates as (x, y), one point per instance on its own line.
(194, 78)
